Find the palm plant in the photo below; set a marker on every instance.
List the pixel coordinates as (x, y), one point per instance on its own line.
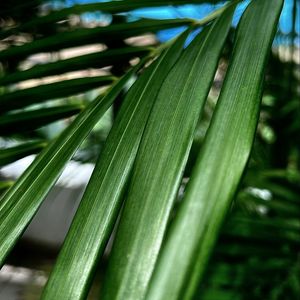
(221, 237)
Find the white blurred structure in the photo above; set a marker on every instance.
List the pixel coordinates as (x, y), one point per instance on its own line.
(51, 223)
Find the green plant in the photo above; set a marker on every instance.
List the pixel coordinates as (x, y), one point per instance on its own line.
(162, 247)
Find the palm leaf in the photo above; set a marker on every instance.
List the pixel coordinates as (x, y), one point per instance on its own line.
(30, 120)
(21, 202)
(100, 205)
(108, 7)
(41, 93)
(221, 161)
(173, 240)
(160, 162)
(93, 60)
(12, 154)
(85, 36)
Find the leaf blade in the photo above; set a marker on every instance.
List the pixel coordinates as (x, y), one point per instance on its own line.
(93, 60)
(108, 7)
(12, 154)
(101, 203)
(221, 160)
(85, 36)
(159, 165)
(33, 119)
(23, 199)
(44, 92)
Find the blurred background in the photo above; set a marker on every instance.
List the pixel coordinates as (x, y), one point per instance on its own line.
(62, 62)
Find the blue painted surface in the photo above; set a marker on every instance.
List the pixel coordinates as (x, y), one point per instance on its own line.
(195, 12)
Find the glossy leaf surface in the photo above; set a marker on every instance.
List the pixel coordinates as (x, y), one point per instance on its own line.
(102, 199)
(221, 161)
(160, 163)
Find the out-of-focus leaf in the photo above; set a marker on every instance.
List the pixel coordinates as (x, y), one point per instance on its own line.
(12, 154)
(274, 229)
(33, 119)
(239, 248)
(160, 162)
(25, 97)
(23, 199)
(93, 60)
(101, 201)
(221, 161)
(85, 36)
(107, 7)
(279, 206)
(4, 185)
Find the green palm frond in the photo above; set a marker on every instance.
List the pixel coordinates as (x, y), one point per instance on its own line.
(186, 182)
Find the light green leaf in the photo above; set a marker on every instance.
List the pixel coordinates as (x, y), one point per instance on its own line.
(93, 60)
(160, 162)
(221, 161)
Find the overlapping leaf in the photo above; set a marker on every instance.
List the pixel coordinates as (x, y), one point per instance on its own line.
(21, 202)
(12, 154)
(160, 162)
(29, 120)
(101, 202)
(85, 36)
(221, 161)
(93, 60)
(25, 97)
(107, 7)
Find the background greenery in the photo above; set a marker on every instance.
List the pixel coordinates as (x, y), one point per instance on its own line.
(202, 175)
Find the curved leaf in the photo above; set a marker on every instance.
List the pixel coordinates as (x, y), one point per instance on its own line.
(93, 60)
(33, 119)
(23, 199)
(102, 199)
(160, 162)
(107, 7)
(85, 36)
(25, 97)
(12, 154)
(221, 161)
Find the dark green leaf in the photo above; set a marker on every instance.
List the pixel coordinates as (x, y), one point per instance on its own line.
(12, 154)
(33, 119)
(21, 202)
(25, 97)
(107, 7)
(85, 36)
